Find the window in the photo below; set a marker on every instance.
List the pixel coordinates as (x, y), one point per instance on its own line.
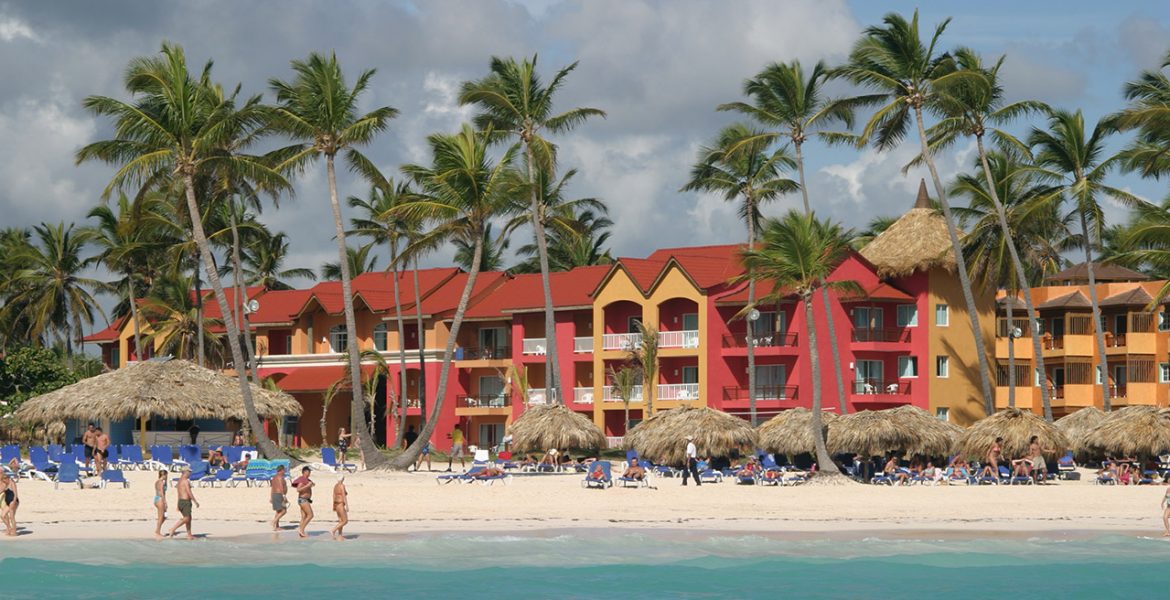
(1036, 377)
(690, 374)
(770, 381)
(942, 367)
(1164, 372)
(942, 315)
(380, 337)
(1098, 375)
(907, 367)
(907, 315)
(943, 414)
(338, 338)
(690, 322)
(1163, 321)
(768, 324)
(491, 391)
(868, 376)
(493, 341)
(865, 317)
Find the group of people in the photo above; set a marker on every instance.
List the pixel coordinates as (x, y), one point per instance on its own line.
(97, 447)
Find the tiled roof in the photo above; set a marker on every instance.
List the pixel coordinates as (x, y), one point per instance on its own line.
(1073, 300)
(1135, 297)
(108, 334)
(879, 291)
(569, 289)
(280, 306)
(1101, 273)
(312, 379)
(445, 300)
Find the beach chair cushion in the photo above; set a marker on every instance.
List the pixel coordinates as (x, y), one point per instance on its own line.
(600, 475)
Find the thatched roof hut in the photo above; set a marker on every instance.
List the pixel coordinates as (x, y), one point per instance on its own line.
(917, 241)
(904, 430)
(1016, 427)
(174, 389)
(790, 432)
(1077, 425)
(934, 436)
(662, 437)
(554, 426)
(1133, 431)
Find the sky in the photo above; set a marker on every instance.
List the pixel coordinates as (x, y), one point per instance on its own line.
(658, 69)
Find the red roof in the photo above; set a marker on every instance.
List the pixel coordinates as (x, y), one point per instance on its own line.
(445, 300)
(570, 289)
(739, 295)
(108, 334)
(211, 305)
(312, 379)
(279, 307)
(880, 291)
(376, 290)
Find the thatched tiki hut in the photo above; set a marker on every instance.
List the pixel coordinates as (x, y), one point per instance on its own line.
(554, 426)
(174, 389)
(662, 437)
(1016, 427)
(867, 433)
(1077, 425)
(790, 432)
(934, 436)
(1133, 431)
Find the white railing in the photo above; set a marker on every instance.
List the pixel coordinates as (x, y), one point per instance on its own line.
(612, 441)
(583, 395)
(583, 345)
(678, 339)
(538, 396)
(621, 341)
(534, 346)
(678, 391)
(609, 396)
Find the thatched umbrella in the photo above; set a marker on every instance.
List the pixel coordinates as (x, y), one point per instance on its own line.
(1016, 427)
(790, 432)
(662, 437)
(868, 433)
(554, 426)
(174, 389)
(1078, 424)
(917, 241)
(1133, 431)
(932, 436)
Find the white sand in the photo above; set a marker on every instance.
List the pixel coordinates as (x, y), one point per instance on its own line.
(404, 503)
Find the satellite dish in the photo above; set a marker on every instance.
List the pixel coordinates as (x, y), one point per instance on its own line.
(753, 315)
(1017, 333)
(252, 306)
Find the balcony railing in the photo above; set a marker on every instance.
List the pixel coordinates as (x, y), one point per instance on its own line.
(678, 339)
(763, 392)
(608, 395)
(488, 401)
(877, 387)
(583, 345)
(482, 353)
(1054, 342)
(678, 391)
(534, 346)
(1113, 340)
(769, 340)
(538, 396)
(1117, 391)
(621, 341)
(583, 395)
(881, 335)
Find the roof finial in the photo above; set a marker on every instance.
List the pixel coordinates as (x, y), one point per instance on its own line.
(923, 200)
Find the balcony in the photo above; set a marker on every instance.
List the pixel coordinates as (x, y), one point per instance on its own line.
(607, 394)
(678, 391)
(534, 346)
(878, 387)
(483, 401)
(881, 336)
(763, 392)
(583, 395)
(771, 340)
(1113, 340)
(583, 345)
(538, 396)
(678, 339)
(1052, 342)
(621, 341)
(483, 353)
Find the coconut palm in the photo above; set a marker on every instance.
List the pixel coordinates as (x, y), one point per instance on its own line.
(262, 259)
(582, 244)
(1077, 162)
(1148, 112)
(514, 103)
(797, 252)
(177, 127)
(14, 244)
(357, 261)
(645, 354)
(907, 77)
(622, 381)
(170, 310)
(318, 110)
(737, 166)
(492, 258)
(1141, 244)
(462, 191)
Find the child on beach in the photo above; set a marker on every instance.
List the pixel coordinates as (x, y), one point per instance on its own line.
(341, 507)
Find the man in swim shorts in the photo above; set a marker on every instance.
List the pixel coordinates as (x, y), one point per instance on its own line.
(456, 436)
(186, 497)
(101, 451)
(279, 496)
(88, 439)
(304, 487)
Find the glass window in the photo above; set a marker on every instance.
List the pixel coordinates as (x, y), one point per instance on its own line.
(380, 337)
(942, 315)
(338, 338)
(907, 366)
(766, 324)
(907, 315)
(1098, 382)
(1164, 372)
(690, 321)
(1163, 321)
(942, 366)
(943, 414)
(867, 317)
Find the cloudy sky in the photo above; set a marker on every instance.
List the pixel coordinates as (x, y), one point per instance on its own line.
(657, 68)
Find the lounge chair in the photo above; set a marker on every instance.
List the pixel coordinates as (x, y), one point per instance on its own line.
(1015, 479)
(114, 476)
(1066, 465)
(9, 452)
(770, 477)
(189, 455)
(39, 457)
(130, 458)
(67, 472)
(884, 479)
(161, 457)
(329, 458)
(635, 482)
(476, 467)
(600, 475)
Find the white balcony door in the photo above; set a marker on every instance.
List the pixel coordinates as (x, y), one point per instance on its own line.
(770, 381)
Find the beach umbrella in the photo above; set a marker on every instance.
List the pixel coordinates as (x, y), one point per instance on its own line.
(663, 437)
(931, 436)
(172, 389)
(790, 432)
(554, 426)
(1078, 424)
(1133, 431)
(868, 433)
(1016, 427)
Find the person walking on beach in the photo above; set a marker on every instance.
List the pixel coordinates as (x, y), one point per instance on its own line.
(692, 466)
(1166, 513)
(101, 451)
(186, 497)
(426, 453)
(409, 437)
(88, 439)
(160, 501)
(279, 496)
(343, 443)
(456, 436)
(304, 487)
(341, 507)
(8, 503)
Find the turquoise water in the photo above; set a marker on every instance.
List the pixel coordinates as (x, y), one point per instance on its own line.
(590, 565)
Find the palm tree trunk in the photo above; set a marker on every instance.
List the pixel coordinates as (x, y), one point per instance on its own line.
(357, 408)
(1022, 278)
(1011, 353)
(199, 353)
(1103, 365)
(422, 358)
(626, 406)
(961, 267)
(552, 379)
(401, 347)
(133, 315)
(408, 457)
(800, 172)
(825, 464)
(269, 449)
(68, 345)
(751, 342)
(242, 300)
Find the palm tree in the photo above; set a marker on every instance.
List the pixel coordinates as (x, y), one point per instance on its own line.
(357, 262)
(1148, 112)
(645, 354)
(908, 77)
(178, 126)
(14, 244)
(797, 252)
(622, 382)
(876, 226)
(175, 323)
(318, 110)
(514, 103)
(462, 191)
(739, 165)
(581, 245)
(1077, 164)
(493, 251)
(262, 258)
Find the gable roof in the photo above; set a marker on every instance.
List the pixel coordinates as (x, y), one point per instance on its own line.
(524, 293)
(1138, 296)
(1101, 273)
(1073, 300)
(109, 334)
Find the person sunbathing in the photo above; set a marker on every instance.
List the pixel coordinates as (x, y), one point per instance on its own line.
(634, 471)
(891, 470)
(598, 473)
(549, 461)
(749, 469)
(215, 458)
(1125, 475)
(771, 475)
(930, 472)
(958, 469)
(487, 473)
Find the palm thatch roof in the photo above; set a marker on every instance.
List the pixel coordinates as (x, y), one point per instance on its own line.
(1077, 425)
(663, 437)
(554, 426)
(1134, 431)
(902, 430)
(790, 432)
(917, 241)
(1016, 427)
(174, 389)
(935, 437)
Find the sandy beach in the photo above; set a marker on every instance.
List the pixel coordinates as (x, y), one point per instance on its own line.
(408, 503)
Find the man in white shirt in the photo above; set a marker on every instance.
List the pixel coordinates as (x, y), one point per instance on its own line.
(692, 466)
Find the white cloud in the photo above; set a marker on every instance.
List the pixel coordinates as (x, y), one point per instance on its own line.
(12, 29)
(36, 161)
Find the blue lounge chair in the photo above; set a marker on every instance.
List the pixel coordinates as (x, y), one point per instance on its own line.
(233, 454)
(10, 452)
(131, 457)
(1066, 465)
(39, 457)
(635, 482)
(223, 476)
(476, 468)
(600, 475)
(114, 476)
(161, 457)
(1015, 479)
(329, 457)
(883, 479)
(707, 474)
(67, 472)
(258, 471)
(189, 455)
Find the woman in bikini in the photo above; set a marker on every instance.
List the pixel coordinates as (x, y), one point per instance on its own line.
(341, 507)
(343, 439)
(1166, 513)
(991, 469)
(7, 503)
(160, 501)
